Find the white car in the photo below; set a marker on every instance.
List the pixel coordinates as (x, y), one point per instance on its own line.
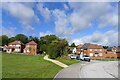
(73, 56)
(83, 58)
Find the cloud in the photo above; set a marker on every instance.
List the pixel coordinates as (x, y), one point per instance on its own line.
(44, 34)
(10, 32)
(62, 23)
(23, 12)
(109, 38)
(44, 11)
(66, 7)
(82, 16)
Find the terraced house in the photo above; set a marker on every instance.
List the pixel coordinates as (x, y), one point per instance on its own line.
(31, 48)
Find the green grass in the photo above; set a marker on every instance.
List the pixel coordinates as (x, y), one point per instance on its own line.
(106, 59)
(27, 66)
(66, 60)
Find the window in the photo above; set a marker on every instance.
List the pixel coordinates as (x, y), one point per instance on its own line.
(100, 54)
(17, 49)
(95, 49)
(17, 45)
(96, 54)
(91, 54)
(90, 49)
(28, 45)
(28, 50)
(100, 49)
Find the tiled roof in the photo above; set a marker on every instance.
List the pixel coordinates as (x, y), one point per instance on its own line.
(79, 46)
(92, 46)
(31, 43)
(16, 42)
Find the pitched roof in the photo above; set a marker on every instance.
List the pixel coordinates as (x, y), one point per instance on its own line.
(79, 46)
(31, 43)
(91, 46)
(16, 42)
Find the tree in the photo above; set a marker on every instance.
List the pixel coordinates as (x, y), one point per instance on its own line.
(22, 38)
(73, 45)
(11, 39)
(4, 40)
(46, 40)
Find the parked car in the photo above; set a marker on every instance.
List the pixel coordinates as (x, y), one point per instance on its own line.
(73, 56)
(83, 58)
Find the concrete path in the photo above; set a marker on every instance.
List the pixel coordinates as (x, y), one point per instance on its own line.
(56, 62)
(93, 69)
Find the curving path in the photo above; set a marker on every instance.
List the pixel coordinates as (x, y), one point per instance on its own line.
(56, 62)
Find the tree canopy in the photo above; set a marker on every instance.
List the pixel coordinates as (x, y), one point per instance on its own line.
(22, 38)
(73, 45)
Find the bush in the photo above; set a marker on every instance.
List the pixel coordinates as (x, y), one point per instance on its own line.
(107, 57)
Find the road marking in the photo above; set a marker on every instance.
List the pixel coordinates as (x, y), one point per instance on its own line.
(82, 64)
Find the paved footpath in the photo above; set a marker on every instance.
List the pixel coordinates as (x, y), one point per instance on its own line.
(56, 62)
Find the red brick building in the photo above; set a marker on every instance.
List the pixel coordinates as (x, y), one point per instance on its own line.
(16, 46)
(93, 50)
(111, 52)
(31, 48)
(78, 49)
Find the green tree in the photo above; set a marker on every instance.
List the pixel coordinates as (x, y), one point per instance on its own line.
(4, 40)
(22, 38)
(72, 45)
(11, 39)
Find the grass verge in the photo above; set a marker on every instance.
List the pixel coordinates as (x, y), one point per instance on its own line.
(27, 66)
(107, 59)
(68, 61)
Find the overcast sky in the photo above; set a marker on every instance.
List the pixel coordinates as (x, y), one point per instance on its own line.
(81, 22)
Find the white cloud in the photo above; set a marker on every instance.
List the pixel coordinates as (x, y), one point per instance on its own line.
(66, 7)
(45, 12)
(82, 16)
(109, 38)
(44, 34)
(10, 32)
(62, 23)
(23, 12)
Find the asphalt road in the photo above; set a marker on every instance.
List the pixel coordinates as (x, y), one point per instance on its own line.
(93, 69)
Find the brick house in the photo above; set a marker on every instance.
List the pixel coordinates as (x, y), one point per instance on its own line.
(31, 48)
(78, 49)
(93, 50)
(16, 46)
(111, 52)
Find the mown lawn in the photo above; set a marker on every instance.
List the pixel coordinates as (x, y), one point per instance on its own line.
(27, 66)
(68, 61)
(107, 59)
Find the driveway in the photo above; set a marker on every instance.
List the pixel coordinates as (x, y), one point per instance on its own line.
(93, 69)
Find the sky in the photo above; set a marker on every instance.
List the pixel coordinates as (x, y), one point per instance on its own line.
(78, 22)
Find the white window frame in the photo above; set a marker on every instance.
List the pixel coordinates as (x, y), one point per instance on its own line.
(95, 49)
(17, 49)
(18, 45)
(91, 54)
(28, 50)
(10, 44)
(100, 54)
(90, 49)
(28, 45)
(100, 49)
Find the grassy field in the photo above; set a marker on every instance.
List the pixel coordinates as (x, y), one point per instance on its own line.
(27, 66)
(66, 60)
